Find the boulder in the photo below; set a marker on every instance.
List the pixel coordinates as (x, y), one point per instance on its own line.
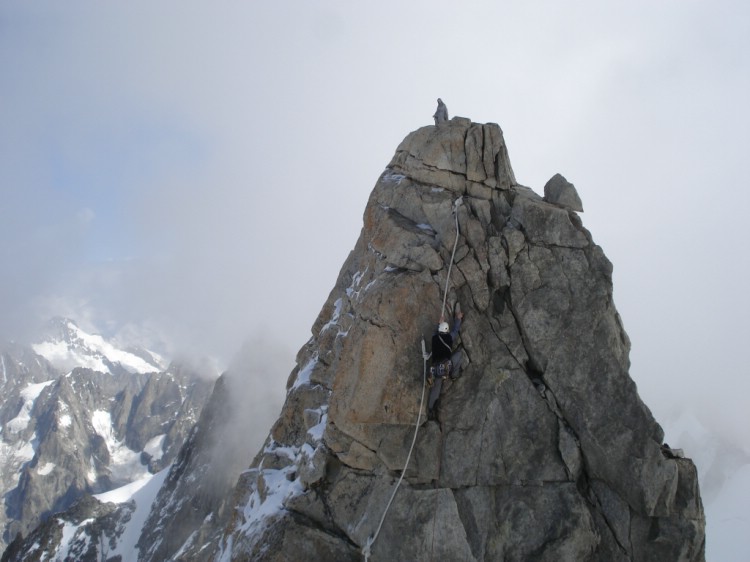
(560, 191)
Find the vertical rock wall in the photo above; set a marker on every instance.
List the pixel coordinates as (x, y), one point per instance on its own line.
(541, 450)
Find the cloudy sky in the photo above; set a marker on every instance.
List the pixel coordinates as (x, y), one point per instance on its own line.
(198, 171)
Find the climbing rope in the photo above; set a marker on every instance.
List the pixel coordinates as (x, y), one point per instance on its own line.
(371, 540)
(456, 204)
(366, 549)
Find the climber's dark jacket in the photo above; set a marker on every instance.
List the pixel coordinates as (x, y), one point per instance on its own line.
(442, 344)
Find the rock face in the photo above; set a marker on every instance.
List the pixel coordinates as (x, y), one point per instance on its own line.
(541, 450)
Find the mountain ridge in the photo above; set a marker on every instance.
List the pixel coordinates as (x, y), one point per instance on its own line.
(67, 346)
(542, 449)
(67, 429)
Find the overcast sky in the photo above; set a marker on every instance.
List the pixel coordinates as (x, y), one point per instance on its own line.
(200, 171)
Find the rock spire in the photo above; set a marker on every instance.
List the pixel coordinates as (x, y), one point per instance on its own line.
(542, 450)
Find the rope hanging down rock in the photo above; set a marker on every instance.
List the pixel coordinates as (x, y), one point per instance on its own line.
(371, 540)
(456, 204)
(366, 549)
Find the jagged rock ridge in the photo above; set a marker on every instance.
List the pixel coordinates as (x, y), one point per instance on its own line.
(64, 434)
(542, 450)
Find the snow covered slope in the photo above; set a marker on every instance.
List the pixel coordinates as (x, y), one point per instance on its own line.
(141, 494)
(78, 534)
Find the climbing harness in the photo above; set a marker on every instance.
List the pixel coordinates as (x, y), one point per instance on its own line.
(442, 369)
(366, 549)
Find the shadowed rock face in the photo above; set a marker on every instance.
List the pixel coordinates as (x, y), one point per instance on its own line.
(542, 450)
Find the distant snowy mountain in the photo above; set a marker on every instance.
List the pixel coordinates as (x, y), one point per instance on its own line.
(176, 509)
(78, 415)
(67, 346)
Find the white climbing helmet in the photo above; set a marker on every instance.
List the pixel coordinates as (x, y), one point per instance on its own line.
(443, 328)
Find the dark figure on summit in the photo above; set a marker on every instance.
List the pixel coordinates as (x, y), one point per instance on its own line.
(445, 363)
(441, 114)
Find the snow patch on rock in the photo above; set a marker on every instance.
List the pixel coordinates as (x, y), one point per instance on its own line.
(155, 445)
(303, 376)
(46, 469)
(142, 493)
(29, 395)
(125, 463)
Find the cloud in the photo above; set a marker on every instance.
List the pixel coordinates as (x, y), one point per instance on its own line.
(187, 175)
(202, 171)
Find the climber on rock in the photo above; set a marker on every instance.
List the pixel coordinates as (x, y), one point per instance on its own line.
(445, 363)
